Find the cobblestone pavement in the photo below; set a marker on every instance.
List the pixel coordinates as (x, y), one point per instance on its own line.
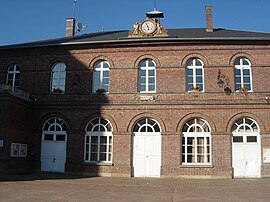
(52, 187)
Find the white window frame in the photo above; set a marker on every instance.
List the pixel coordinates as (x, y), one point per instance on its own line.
(55, 127)
(98, 72)
(243, 67)
(14, 72)
(56, 85)
(138, 126)
(18, 150)
(194, 67)
(196, 135)
(99, 134)
(147, 68)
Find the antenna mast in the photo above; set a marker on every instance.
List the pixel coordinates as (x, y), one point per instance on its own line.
(74, 8)
(155, 4)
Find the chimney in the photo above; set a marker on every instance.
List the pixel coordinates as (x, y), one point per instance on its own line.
(70, 27)
(209, 23)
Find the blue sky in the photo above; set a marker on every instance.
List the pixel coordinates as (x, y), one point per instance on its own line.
(31, 20)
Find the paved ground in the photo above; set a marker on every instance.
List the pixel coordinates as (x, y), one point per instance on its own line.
(50, 187)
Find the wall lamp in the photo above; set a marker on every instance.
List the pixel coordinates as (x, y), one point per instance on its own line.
(223, 81)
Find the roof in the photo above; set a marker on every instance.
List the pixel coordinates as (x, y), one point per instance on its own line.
(183, 34)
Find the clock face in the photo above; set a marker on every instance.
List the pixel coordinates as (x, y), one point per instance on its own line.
(148, 27)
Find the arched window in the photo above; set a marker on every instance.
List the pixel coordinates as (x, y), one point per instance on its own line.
(194, 75)
(101, 76)
(54, 129)
(58, 78)
(147, 76)
(13, 75)
(196, 142)
(245, 125)
(242, 74)
(146, 125)
(98, 141)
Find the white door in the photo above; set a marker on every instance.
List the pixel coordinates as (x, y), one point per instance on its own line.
(146, 154)
(246, 155)
(53, 153)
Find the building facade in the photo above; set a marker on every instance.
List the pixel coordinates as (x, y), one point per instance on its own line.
(186, 103)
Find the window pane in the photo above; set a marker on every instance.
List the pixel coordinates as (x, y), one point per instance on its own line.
(94, 139)
(151, 73)
(200, 158)
(102, 157)
(198, 63)
(60, 137)
(103, 140)
(93, 156)
(151, 63)
(251, 138)
(151, 88)
(48, 137)
(237, 138)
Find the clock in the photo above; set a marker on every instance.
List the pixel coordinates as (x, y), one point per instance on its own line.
(148, 26)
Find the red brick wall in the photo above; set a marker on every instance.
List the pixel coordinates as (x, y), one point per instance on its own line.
(122, 106)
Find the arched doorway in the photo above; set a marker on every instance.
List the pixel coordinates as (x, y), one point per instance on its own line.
(53, 145)
(246, 148)
(146, 148)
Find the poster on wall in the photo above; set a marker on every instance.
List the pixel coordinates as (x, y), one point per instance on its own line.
(266, 155)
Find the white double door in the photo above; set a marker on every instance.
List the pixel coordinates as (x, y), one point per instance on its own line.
(146, 154)
(246, 155)
(53, 154)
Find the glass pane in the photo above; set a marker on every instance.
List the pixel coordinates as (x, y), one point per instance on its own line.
(102, 157)
(200, 141)
(190, 63)
(93, 157)
(198, 63)
(151, 73)
(190, 159)
(237, 138)
(190, 141)
(245, 62)
(103, 140)
(152, 80)
(142, 63)
(94, 148)
(183, 158)
(200, 150)
(60, 137)
(103, 148)
(251, 138)
(199, 80)
(198, 72)
(200, 158)
(94, 139)
(105, 65)
(143, 129)
(151, 88)
(110, 157)
(151, 63)
(190, 149)
(48, 137)
(237, 62)
(142, 88)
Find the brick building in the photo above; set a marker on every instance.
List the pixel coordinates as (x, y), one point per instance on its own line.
(148, 102)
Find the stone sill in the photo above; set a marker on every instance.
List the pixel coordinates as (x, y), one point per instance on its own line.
(196, 166)
(98, 164)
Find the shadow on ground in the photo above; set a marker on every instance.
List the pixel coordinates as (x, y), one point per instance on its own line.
(39, 176)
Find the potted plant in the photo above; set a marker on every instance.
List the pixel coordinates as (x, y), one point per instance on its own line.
(57, 91)
(100, 91)
(243, 90)
(195, 89)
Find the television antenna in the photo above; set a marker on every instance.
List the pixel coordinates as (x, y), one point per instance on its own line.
(74, 8)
